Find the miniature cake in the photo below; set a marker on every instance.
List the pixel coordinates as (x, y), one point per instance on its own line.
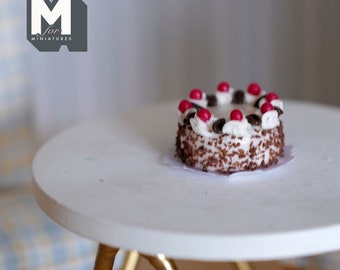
(231, 130)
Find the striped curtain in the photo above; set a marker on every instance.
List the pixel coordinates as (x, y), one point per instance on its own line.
(143, 51)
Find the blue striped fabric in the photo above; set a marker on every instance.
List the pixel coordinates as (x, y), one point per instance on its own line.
(16, 135)
(30, 240)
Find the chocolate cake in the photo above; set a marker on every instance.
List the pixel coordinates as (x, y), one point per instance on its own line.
(230, 130)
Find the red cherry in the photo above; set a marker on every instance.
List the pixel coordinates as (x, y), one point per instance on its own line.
(271, 96)
(223, 87)
(254, 89)
(266, 107)
(236, 115)
(184, 105)
(204, 115)
(196, 94)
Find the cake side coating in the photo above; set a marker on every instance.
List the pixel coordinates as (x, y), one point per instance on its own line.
(227, 153)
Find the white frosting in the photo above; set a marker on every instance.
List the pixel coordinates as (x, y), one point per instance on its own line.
(277, 103)
(249, 98)
(201, 127)
(237, 128)
(262, 101)
(200, 102)
(181, 116)
(270, 120)
(224, 97)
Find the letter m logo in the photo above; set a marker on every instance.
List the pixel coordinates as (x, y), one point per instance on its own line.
(53, 23)
(40, 10)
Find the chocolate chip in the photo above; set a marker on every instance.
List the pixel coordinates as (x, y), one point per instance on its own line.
(257, 102)
(238, 97)
(212, 100)
(279, 111)
(196, 106)
(187, 118)
(218, 125)
(254, 119)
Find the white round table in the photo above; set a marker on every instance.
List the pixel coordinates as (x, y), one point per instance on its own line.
(105, 179)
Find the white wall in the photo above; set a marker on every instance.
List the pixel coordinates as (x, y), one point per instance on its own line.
(144, 51)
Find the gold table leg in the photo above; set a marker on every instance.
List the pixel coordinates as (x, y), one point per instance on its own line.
(160, 262)
(243, 266)
(105, 257)
(130, 260)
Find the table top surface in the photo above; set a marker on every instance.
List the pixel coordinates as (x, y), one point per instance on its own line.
(106, 179)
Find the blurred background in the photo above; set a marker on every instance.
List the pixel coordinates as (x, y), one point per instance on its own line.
(142, 51)
(147, 51)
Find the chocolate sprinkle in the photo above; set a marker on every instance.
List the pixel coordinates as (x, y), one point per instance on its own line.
(218, 125)
(196, 106)
(257, 102)
(212, 100)
(254, 119)
(238, 97)
(186, 120)
(279, 111)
